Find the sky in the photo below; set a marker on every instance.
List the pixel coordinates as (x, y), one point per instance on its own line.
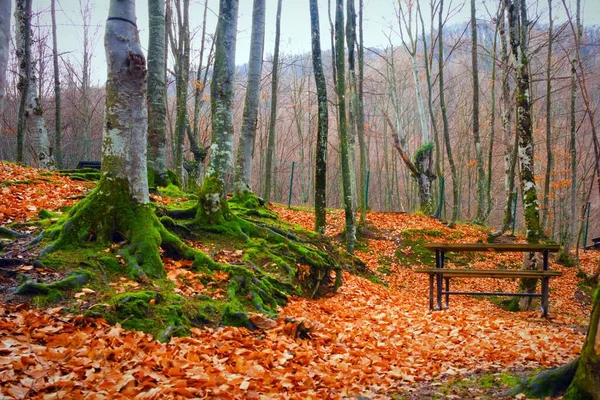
(379, 20)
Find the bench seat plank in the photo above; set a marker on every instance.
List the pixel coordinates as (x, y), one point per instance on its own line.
(493, 247)
(487, 273)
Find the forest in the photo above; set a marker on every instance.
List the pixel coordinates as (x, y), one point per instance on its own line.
(368, 199)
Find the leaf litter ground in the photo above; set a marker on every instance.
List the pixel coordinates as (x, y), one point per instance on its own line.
(367, 340)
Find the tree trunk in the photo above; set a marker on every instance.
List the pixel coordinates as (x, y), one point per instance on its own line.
(352, 107)
(573, 140)
(518, 27)
(243, 172)
(586, 383)
(157, 93)
(490, 165)
(119, 206)
(57, 109)
(222, 84)
(85, 12)
(183, 72)
(322, 124)
(549, 155)
(437, 169)
(31, 113)
(360, 118)
(446, 127)
(510, 141)
(270, 170)
(480, 185)
(196, 145)
(4, 46)
(343, 128)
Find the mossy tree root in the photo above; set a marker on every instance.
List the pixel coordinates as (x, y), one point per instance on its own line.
(108, 215)
(549, 383)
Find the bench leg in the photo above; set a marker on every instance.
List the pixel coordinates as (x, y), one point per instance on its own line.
(431, 291)
(545, 295)
(447, 290)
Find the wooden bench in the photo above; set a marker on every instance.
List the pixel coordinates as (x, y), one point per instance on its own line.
(440, 274)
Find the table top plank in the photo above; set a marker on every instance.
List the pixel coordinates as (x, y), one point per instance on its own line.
(493, 247)
(488, 273)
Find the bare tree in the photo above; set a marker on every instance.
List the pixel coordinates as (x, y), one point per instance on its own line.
(343, 127)
(157, 93)
(273, 119)
(31, 113)
(250, 118)
(4, 46)
(323, 121)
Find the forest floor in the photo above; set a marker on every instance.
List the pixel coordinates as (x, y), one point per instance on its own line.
(368, 341)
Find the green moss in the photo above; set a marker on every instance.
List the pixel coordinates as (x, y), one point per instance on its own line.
(173, 178)
(106, 215)
(73, 280)
(172, 191)
(564, 258)
(423, 152)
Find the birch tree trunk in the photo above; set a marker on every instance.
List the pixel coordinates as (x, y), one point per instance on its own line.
(4, 46)
(343, 127)
(273, 120)
(322, 122)
(157, 93)
(518, 27)
(31, 113)
(243, 171)
(480, 212)
(510, 140)
(57, 108)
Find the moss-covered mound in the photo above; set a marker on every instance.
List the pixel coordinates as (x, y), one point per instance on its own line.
(215, 269)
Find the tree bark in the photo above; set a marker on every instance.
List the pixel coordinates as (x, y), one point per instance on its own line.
(322, 122)
(243, 172)
(549, 155)
(360, 118)
(183, 77)
(196, 145)
(222, 84)
(480, 212)
(157, 93)
(352, 107)
(445, 124)
(518, 27)
(4, 46)
(31, 113)
(510, 141)
(57, 102)
(343, 128)
(273, 120)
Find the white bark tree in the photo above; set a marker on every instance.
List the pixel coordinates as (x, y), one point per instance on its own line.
(31, 113)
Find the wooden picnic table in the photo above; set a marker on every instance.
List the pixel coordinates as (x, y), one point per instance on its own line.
(440, 274)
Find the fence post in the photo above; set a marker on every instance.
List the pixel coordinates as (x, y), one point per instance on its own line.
(587, 226)
(515, 211)
(367, 190)
(291, 184)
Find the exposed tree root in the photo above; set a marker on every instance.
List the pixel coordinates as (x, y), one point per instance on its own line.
(549, 383)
